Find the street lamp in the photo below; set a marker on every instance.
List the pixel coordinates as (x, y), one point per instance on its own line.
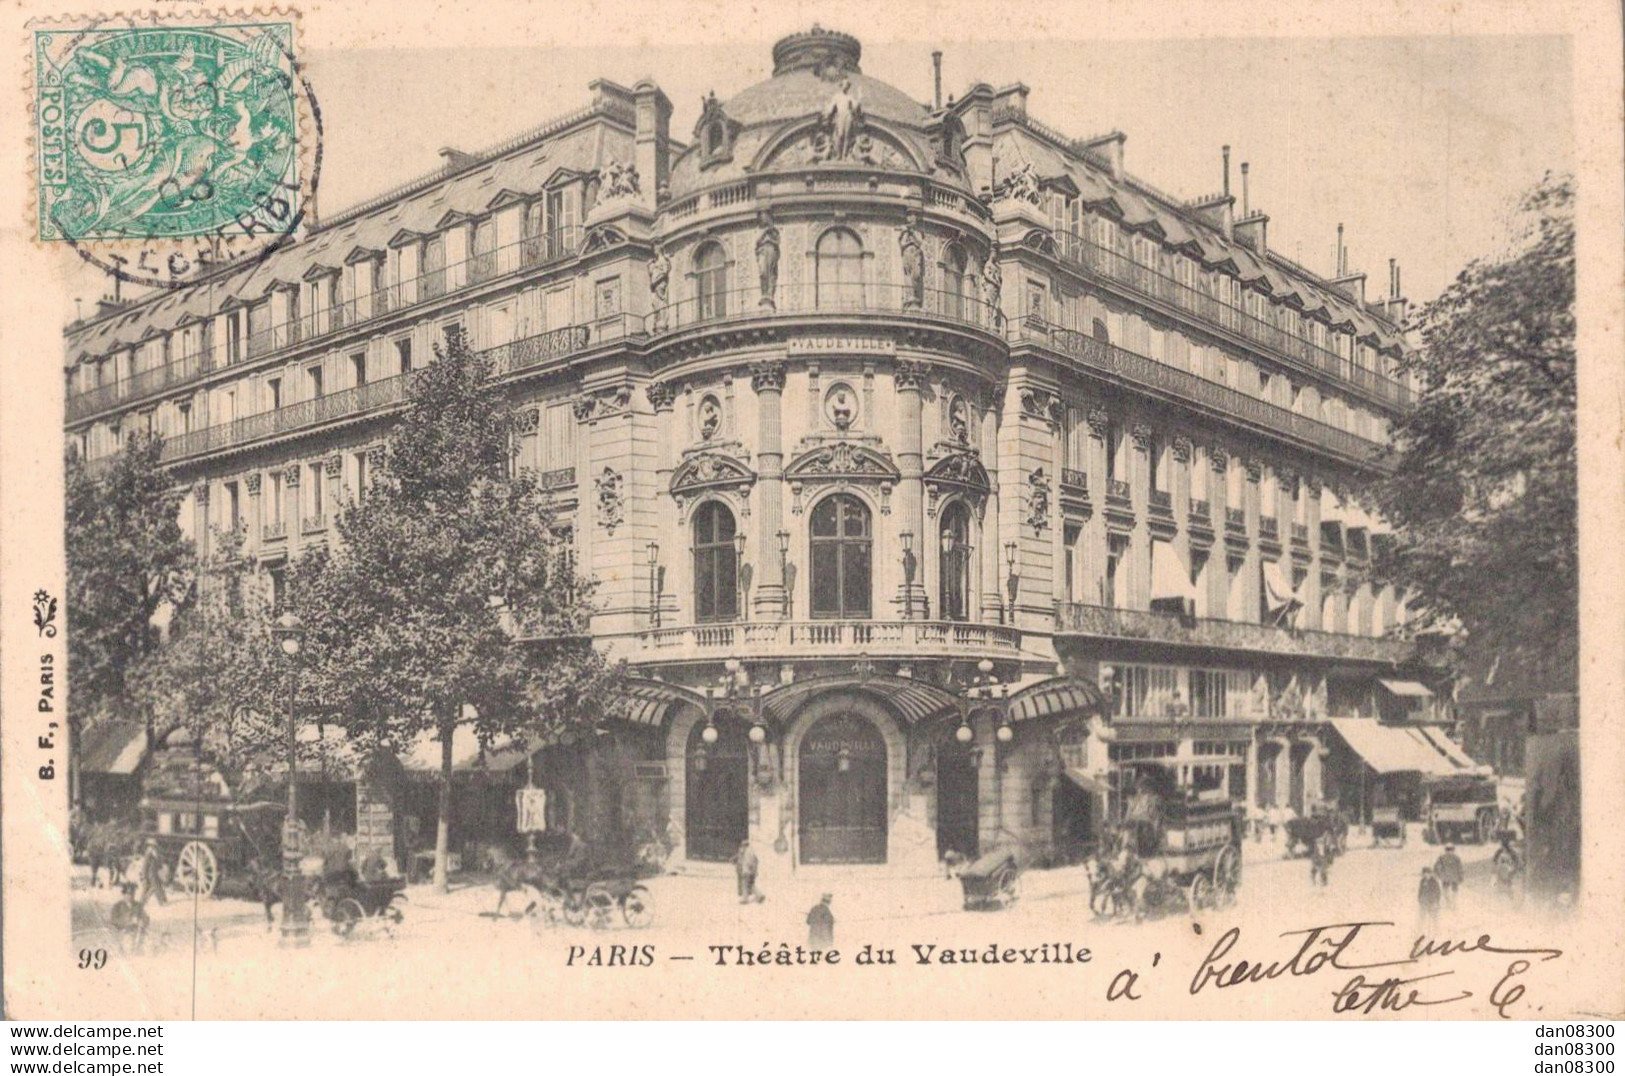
(907, 538)
(1012, 580)
(784, 575)
(289, 633)
(654, 584)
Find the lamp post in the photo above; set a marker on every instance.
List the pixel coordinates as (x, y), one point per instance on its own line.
(907, 538)
(739, 574)
(289, 633)
(654, 584)
(784, 575)
(1012, 580)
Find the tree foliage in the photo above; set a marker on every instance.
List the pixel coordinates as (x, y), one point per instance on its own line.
(414, 617)
(127, 558)
(1483, 500)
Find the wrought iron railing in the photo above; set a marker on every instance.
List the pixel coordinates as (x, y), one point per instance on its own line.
(1235, 518)
(1162, 502)
(1151, 282)
(1200, 509)
(1269, 527)
(1117, 489)
(1157, 376)
(1074, 479)
(431, 284)
(832, 636)
(718, 307)
(1076, 618)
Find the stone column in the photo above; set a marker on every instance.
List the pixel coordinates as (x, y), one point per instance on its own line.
(1094, 539)
(333, 468)
(1218, 564)
(1139, 550)
(200, 517)
(1252, 774)
(1250, 565)
(993, 594)
(1311, 584)
(293, 510)
(767, 379)
(1180, 451)
(909, 378)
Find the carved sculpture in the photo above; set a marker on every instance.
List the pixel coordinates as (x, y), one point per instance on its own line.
(620, 181)
(913, 267)
(659, 281)
(1022, 184)
(767, 264)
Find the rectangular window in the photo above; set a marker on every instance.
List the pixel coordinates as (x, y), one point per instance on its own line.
(279, 589)
(234, 508)
(315, 381)
(276, 497)
(403, 352)
(358, 368)
(1114, 560)
(362, 478)
(1073, 570)
(273, 392)
(317, 500)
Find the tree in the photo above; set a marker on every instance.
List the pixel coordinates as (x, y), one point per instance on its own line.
(413, 618)
(127, 559)
(1483, 499)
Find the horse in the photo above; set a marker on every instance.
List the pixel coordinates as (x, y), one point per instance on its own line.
(110, 845)
(539, 870)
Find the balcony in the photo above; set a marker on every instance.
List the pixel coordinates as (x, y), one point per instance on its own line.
(963, 308)
(1235, 519)
(1074, 480)
(1151, 283)
(274, 530)
(1162, 502)
(827, 638)
(313, 524)
(1117, 491)
(527, 253)
(1159, 377)
(374, 396)
(1269, 528)
(1073, 618)
(1199, 509)
(1300, 534)
(557, 479)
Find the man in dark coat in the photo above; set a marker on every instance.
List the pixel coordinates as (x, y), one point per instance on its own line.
(1448, 868)
(746, 865)
(821, 925)
(1427, 895)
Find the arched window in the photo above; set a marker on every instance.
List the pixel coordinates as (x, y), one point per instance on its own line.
(1100, 332)
(956, 286)
(954, 567)
(716, 563)
(841, 543)
(710, 282)
(839, 269)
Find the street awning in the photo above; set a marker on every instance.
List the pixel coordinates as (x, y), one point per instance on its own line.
(1169, 576)
(1087, 782)
(1279, 594)
(1055, 696)
(1447, 747)
(1406, 689)
(112, 747)
(423, 755)
(1387, 749)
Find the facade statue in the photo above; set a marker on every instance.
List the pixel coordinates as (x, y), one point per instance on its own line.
(913, 266)
(620, 181)
(659, 280)
(1022, 184)
(843, 117)
(993, 285)
(767, 263)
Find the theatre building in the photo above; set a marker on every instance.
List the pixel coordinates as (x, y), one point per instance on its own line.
(943, 481)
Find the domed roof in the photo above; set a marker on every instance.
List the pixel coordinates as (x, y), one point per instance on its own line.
(807, 69)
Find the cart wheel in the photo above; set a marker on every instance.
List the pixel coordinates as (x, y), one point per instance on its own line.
(600, 905)
(638, 907)
(1226, 876)
(196, 870)
(1006, 886)
(1200, 893)
(346, 914)
(575, 909)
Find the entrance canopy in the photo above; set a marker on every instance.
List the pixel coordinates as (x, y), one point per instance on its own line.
(423, 754)
(646, 702)
(1406, 689)
(1392, 750)
(1055, 696)
(1447, 747)
(114, 747)
(912, 700)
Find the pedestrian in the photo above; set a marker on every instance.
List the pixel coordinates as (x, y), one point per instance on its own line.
(821, 925)
(1448, 868)
(1427, 896)
(151, 875)
(746, 865)
(1320, 861)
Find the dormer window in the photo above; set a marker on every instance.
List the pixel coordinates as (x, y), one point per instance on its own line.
(714, 134)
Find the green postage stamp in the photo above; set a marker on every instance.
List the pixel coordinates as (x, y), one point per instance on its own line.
(152, 131)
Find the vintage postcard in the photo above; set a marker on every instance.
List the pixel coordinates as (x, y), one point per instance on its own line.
(860, 511)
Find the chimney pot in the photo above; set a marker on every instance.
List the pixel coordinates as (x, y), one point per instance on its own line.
(936, 78)
(1244, 201)
(1227, 171)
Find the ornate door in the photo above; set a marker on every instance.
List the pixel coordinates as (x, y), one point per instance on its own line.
(717, 793)
(842, 811)
(958, 801)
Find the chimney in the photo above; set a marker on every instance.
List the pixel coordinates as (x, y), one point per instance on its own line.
(455, 159)
(652, 142)
(1393, 278)
(1253, 230)
(1109, 147)
(1340, 259)
(1246, 209)
(936, 79)
(1227, 171)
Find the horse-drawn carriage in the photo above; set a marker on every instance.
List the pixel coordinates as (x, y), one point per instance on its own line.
(1322, 821)
(206, 843)
(352, 899)
(1387, 824)
(1184, 857)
